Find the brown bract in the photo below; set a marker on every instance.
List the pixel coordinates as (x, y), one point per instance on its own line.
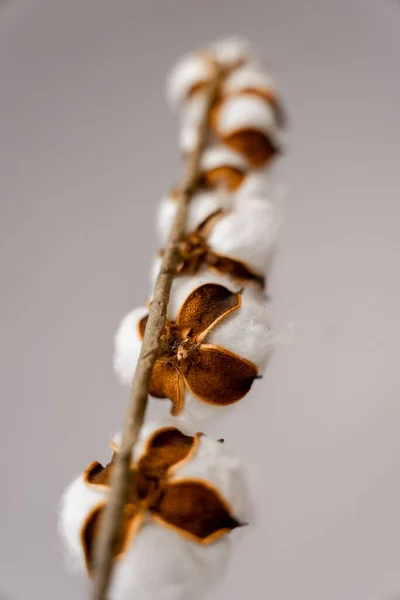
(191, 507)
(211, 373)
(195, 254)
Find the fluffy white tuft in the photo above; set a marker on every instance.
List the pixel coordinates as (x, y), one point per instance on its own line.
(191, 70)
(127, 345)
(248, 76)
(244, 112)
(229, 51)
(248, 233)
(202, 204)
(221, 156)
(77, 502)
(162, 565)
(257, 183)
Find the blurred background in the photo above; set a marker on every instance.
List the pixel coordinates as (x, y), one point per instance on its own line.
(87, 147)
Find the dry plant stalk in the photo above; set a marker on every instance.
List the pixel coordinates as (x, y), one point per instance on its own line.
(111, 521)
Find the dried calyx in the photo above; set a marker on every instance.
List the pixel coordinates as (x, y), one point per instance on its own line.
(192, 507)
(211, 373)
(196, 254)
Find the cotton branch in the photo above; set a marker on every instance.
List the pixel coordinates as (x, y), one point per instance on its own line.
(111, 522)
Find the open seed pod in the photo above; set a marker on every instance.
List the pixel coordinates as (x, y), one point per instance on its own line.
(238, 243)
(248, 124)
(192, 73)
(186, 495)
(216, 342)
(223, 171)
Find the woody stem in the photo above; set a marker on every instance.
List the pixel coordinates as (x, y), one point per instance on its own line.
(111, 520)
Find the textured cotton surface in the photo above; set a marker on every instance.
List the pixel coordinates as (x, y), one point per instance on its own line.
(160, 563)
(127, 345)
(248, 233)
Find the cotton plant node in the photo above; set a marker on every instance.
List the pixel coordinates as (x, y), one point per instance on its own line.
(157, 520)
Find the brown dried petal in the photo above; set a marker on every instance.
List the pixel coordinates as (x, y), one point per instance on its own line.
(196, 509)
(255, 145)
(166, 382)
(98, 476)
(227, 177)
(205, 307)
(131, 521)
(164, 449)
(235, 269)
(206, 226)
(219, 376)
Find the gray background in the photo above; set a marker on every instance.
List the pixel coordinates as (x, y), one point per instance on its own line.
(87, 147)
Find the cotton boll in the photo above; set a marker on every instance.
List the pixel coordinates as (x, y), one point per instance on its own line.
(163, 565)
(192, 70)
(248, 233)
(127, 345)
(202, 204)
(77, 502)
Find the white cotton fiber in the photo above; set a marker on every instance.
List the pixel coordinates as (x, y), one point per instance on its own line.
(127, 345)
(77, 502)
(201, 205)
(231, 50)
(249, 76)
(191, 70)
(247, 112)
(162, 565)
(248, 233)
(222, 156)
